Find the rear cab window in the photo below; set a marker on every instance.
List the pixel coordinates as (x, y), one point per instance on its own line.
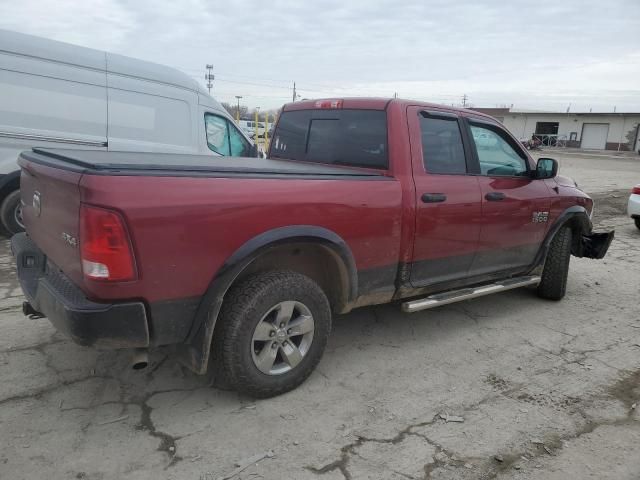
(340, 137)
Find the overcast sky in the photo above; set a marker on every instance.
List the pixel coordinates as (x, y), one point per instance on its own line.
(533, 54)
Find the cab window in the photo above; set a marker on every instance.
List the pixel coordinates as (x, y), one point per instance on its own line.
(496, 155)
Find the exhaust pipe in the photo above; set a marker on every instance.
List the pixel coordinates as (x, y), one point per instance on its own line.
(140, 359)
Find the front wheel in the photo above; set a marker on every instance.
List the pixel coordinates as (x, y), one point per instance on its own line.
(553, 285)
(273, 332)
(11, 213)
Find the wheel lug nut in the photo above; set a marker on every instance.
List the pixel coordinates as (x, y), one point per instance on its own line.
(272, 334)
(274, 345)
(282, 325)
(289, 332)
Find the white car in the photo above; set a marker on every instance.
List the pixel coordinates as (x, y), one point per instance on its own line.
(633, 207)
(250, 126)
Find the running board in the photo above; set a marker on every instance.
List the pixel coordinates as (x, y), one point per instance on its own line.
(467, 293)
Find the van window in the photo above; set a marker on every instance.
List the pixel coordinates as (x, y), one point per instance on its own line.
(342, 137)
(224, 138)
(217, 134)
(239, 145)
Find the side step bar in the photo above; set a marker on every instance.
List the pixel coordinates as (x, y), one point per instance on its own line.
(467, 293)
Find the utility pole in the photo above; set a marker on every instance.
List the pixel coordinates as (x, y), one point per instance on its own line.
(209, 76)
(464, 100)
(238, 110)
(294, 91)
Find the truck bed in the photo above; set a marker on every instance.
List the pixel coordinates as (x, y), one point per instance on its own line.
(171, 164)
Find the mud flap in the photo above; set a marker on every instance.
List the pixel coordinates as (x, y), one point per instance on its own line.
(595, 245)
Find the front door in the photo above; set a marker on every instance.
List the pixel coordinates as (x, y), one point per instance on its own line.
(515, 207)
(448, 201)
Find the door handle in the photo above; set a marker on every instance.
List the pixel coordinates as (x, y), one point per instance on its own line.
(495, 196)
(433, 197)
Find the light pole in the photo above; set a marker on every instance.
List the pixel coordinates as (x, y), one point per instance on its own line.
(238, 110)
(209, 77)
(256, 122)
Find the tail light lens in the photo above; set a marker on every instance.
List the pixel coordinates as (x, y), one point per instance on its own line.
(105, 246)
(636, 190)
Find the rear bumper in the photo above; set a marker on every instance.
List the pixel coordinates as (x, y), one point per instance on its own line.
(51, 292)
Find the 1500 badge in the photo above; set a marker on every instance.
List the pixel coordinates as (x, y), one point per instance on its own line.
(539, 217)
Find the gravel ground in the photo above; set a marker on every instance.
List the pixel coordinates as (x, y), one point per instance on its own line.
(545, 390)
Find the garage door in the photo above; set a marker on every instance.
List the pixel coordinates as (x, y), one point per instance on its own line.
(594, 135)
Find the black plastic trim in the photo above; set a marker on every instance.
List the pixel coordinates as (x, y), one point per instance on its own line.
(88, 323)
(196, 353)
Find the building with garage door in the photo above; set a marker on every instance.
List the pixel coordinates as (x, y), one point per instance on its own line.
(596, 131)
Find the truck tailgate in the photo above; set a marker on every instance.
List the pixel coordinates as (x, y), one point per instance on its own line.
(51, 210)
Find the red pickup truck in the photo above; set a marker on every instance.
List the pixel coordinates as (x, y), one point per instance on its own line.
(242, 261)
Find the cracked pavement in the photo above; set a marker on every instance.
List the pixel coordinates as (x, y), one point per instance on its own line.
(545, 389)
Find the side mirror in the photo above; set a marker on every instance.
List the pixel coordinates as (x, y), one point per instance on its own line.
(546, 168)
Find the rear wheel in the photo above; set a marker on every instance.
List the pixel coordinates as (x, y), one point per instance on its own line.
(556, 268)
(637, 221)
(273, 333)
(11, 213)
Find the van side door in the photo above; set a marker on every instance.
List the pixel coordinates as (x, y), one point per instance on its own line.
(448, 202)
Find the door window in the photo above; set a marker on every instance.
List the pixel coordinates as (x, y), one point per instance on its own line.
(442, 149)
(217, 134)
(496, 155)
(239, 145)
(224, 138)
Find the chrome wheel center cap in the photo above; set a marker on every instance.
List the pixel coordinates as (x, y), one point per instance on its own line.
(281, 335)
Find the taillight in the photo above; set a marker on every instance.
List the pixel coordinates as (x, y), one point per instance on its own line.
(105, 247)
(636, 190)
(328, 104)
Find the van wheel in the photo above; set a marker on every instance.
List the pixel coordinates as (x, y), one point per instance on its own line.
(637, 221)
(556, 267)
(11, 213)
(273, 333)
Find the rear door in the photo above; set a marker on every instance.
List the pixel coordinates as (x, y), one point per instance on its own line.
(515, 207)
(448, 202)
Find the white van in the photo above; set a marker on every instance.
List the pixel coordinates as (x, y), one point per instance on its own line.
(54, 94)
(249, 127)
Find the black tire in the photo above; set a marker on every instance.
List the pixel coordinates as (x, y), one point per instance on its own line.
(244, 307)
(556, 267)
(10, 213)
(637, 222)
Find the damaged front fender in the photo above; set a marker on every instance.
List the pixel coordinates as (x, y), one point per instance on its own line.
(595, 244)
